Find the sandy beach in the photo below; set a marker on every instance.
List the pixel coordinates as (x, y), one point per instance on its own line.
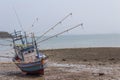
(73, 64)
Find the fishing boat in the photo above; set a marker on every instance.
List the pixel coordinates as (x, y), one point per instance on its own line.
(27, 56)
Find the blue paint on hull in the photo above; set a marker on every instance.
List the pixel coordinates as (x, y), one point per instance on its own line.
(31, 67)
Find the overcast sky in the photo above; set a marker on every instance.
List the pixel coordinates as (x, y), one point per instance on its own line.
(98, 16)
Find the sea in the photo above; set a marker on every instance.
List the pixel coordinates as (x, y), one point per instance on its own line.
(72, 41)
(68, 41)
(82, 41)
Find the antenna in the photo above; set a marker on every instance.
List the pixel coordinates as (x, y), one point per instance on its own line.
(61, 33)
(55, 26)
(18, 19)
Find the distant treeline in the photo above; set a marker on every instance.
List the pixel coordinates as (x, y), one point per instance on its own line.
(4, 34)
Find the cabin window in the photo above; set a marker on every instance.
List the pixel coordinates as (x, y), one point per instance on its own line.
(25, 52)
(29, 51)
(32, 50)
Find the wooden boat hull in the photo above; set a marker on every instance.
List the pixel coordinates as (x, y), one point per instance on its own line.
(32, 68)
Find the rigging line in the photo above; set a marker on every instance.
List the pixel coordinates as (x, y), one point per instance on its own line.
(6, 56)
(7, 52)
(7, 40)
(60, 33)
(18, 18)
(5, 45)
(29, 28)
(54, 26)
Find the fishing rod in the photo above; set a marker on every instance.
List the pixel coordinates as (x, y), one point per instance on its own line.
(60, 33)
(54, 26)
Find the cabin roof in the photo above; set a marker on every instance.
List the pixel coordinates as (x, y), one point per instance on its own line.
(27, 48)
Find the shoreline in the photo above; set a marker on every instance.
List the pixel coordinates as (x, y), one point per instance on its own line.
(77, 48)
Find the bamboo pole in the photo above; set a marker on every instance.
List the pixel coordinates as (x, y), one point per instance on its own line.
(60, 33)
(54, 26)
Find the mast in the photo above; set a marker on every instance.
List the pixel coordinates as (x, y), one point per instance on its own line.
(26, 39)
(17, 36)
(35, 44)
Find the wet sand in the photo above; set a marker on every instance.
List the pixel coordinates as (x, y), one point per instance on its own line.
(73, 64)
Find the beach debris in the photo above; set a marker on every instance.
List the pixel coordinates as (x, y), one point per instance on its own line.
(111, 59)
(63, 59)
(98, 74)
(84, 59)
(101, 74)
